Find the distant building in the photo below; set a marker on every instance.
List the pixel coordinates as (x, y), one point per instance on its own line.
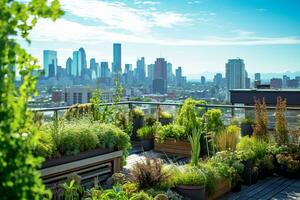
(159, 83)
(247, 80)
(285, 79)
(128, 67)
(77, 95)
(276, 83)
(235, 74)
(202, 80)
(69, 66)
(76, 64)
(83, 58)
(50, 63)
(169, 73)
(218, 79)
(150, 72)
(117, 59)
(257, 77)
(140, 70)
(293, 83)
(104, 70)
(57, 96)
(179, 77)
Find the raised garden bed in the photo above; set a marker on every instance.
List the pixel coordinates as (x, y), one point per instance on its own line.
(222, 187)
(171, 146)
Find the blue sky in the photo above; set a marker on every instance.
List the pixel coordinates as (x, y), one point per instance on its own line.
(199, 35)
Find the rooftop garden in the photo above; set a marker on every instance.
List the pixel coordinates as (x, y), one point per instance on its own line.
(220, 159)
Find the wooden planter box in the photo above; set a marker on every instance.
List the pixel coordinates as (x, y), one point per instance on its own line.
(92, 167)
(172, 146)
(222, 187)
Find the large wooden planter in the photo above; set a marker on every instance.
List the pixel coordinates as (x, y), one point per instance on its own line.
(172, 146)
(92, 167)
(222, 187)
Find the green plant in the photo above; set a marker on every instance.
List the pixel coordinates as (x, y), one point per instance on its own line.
(247, 121)
(150, 120)
(115, 193)
(281, 124)
(194, 140)
(45, 145)
(228, 138)
(71, 190)
(173, 195)
(251, 148)
(173, 131)
(165, 115)
(137, 113)
(260, 126)
(148, 132)
(214, 120)
(187, 175)
(149, 173)
(161, 197)
(78, 111)
(189, 115)
(141, 196)
(212, 176)
(130, 188)
(19, 175)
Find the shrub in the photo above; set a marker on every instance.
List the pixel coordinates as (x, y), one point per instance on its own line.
(252, 149)
(137, 113)
(141, 196)
(228, 139)
(161, 197)
(260, 126)
(212, 176)
(214, 120)
(173, 131)
(150, 120)
(45, 145)
(281, 124)
(148, 132)
(247, 121)
(165, 115)
(187, 175)
(149, 173)
(78, 111)
(189, 115)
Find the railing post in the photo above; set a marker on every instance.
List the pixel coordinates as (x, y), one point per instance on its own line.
(232, 112)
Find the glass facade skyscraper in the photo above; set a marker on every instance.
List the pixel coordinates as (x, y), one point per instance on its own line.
(117, 57)
(50, 60)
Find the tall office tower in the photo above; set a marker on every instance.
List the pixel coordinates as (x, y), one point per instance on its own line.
(235, 74)
(117, 57)
(203, 80)
(257, 77)
(94, 68)
(150, 72)
(247, 80)
(69, 66)
(76, 64)
(83, 58)
(128, 67)
(159, 82)
(140, 69)
(218, 79)
(104, 71)
(169, 73)
(50, 58)
(179, 76)
(285, 79)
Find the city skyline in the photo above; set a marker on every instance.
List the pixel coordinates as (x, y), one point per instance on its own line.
(198, 35)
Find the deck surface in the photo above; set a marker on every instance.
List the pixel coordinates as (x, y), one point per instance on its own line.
(275, 188)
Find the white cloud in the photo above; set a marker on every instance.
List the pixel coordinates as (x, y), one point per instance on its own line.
(66, 31)
(122, 17)
(147, 2)
(194, 2)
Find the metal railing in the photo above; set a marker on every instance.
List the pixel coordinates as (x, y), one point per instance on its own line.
(229, 111)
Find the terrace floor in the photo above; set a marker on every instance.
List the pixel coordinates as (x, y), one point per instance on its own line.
(274, 188)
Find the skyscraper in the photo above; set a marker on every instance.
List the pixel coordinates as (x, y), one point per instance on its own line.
(50, 58)
(235, 74)
(218, 79)
(179, 77)
(104, 71)
(128, 67)
(169, 73)
(76, 64)
(257, 77)
(160, 76)
(69, 66)
(140, 69)
(117, 57)
(150, 72)
(83, 58)
(202, 80)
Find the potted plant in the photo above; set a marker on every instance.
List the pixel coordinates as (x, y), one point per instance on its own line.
(190, 182)
(172, 139)
(236, 183)
(165, 118)
(146, 134)
(254, 175)
(246, 127)
(138, 121)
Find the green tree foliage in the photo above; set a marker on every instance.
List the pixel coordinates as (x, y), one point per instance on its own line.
(19, 177)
